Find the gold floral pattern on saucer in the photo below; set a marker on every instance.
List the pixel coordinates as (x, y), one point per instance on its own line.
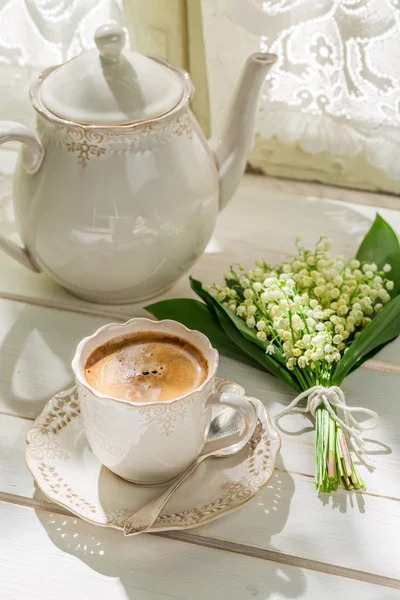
(67, 471)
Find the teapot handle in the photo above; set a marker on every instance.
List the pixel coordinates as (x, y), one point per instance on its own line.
(32, 157)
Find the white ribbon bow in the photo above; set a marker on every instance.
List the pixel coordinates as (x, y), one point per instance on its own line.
(334, 397)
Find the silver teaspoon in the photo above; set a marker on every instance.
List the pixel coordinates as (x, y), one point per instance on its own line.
(144, 518)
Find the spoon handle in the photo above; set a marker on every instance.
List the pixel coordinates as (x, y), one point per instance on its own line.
(143, 519)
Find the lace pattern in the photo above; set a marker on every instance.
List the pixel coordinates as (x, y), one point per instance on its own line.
(336, 85)
(35, 35)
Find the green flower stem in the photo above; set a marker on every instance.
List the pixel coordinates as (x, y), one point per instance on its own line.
(302, 380)
(331, 451)
(333, 462)
(347, 462)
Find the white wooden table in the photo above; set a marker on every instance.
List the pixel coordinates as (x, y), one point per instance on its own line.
(288, 542)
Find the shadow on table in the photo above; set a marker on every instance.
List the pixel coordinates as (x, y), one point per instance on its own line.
(36, 355)
(342, 499)
(34, 361)
(134, 559)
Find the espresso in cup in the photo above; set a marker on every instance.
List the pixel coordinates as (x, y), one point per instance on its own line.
(147, 366)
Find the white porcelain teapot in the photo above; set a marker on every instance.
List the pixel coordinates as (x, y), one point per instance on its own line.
(117, 192)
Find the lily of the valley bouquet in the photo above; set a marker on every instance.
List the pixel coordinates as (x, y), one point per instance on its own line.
(309, 321)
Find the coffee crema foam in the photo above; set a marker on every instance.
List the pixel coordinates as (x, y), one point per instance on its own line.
(146, 367)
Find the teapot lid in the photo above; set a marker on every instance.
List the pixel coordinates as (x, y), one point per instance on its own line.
(106, 86)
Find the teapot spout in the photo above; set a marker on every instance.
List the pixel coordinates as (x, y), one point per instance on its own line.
(232, 148)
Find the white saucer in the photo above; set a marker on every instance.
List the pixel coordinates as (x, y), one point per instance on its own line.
(67, 471)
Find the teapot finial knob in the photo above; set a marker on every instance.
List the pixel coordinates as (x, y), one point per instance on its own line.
(110, 40)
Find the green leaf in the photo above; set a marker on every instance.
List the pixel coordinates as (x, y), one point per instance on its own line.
(239, 323)
(266, 361)
(237, 331)
(196, 315)
(245, 331)
(380, 242)
(382, 329)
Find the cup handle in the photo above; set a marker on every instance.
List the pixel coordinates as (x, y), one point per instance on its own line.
(246, 408)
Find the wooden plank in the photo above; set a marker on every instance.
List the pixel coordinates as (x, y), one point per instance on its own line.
(262, 220)
(37, 346)
(255, 214)
(287, 516)
(350, 531)
(313, 189)
(377, 390)
(62, 557)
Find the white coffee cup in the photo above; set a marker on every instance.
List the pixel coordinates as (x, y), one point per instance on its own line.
(152, 442)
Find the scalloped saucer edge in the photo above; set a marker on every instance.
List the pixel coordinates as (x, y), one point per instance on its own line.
(68, 473)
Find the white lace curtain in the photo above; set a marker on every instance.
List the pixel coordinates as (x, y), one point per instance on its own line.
(38, 33)
(330, 108)
(35, 34)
